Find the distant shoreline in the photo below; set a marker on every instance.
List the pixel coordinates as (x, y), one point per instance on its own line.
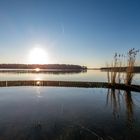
(43, 66)
(93, 68)
(123, 69)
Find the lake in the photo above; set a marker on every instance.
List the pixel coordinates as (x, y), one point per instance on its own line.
(56, 113)
(64, 113)
(90, 75)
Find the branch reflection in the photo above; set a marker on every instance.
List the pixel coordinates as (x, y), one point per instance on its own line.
(119, 100)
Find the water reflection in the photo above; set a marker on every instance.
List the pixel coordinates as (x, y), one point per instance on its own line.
(38, 91)
(89, 75)
(121, 99)
(49, 71)
(68, 114)
(129, 108)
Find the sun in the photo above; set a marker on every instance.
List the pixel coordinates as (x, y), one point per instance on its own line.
(38, 56)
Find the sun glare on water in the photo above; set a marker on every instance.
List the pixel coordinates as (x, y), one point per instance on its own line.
(38, 56)
(37, 69)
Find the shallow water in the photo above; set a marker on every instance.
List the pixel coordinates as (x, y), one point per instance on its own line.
(55, 113)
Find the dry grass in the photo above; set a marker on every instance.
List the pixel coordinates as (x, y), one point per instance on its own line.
(130, 66)
(114, 72)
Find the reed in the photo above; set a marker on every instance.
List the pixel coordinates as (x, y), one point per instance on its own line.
(131, 60)
(111, 72)
(118, 65)
(108, 73)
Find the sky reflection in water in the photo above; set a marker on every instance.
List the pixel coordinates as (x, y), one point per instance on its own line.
(90, 75)
(68, 113)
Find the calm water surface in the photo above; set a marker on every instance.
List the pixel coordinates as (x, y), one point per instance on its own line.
(90, 75)
(54, 113)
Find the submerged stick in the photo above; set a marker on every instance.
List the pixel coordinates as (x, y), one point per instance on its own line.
(70, 84)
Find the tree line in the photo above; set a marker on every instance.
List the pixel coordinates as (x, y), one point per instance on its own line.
(41, 66)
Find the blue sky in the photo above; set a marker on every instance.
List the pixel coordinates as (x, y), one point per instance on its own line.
(85, 32)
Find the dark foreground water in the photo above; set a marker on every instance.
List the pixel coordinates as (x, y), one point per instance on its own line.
(54, 113)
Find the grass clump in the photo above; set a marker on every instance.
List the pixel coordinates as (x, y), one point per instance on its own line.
(131, 60)
(114, 71)
(118, 65)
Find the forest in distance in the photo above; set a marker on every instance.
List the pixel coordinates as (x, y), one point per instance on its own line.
(41, 66)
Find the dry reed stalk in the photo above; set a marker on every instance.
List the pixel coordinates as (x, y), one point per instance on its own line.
(130, 66)
(108, 74)
(113, 70)
(118, 64)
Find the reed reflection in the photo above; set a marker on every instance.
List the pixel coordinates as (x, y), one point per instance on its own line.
(118, 100)
(129, 108)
